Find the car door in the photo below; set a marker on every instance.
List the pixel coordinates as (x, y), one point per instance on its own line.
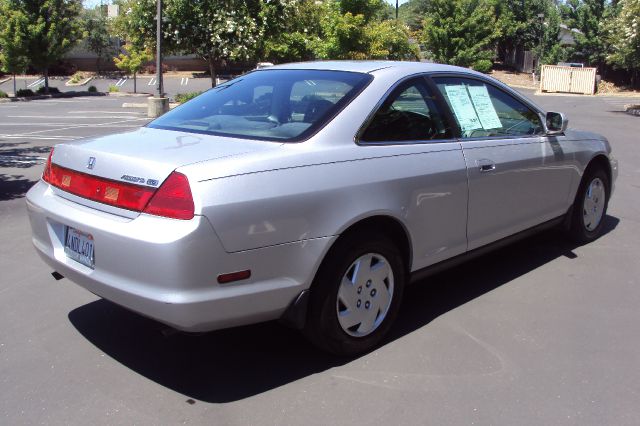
(518, 176)
(409, 130)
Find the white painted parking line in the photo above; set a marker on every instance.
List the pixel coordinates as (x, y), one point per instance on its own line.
(121, 82)
(116, 124)
(152, 81)
(184, 81)
(104, 112)
(36, 83)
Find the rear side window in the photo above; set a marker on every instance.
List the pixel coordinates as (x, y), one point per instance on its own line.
(482, 110)
(409, 114)
(279, 105)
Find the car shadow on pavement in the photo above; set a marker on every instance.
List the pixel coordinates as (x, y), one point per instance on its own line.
(230, 365)
(14, 186)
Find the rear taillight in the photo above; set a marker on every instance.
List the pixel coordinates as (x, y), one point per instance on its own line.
(173, 199)
(107, 191)
(46, 174)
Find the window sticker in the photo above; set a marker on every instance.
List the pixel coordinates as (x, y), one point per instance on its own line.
(462, 107)
(484, 107)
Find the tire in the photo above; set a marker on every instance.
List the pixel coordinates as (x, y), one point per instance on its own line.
(590, 206)
(356, 294)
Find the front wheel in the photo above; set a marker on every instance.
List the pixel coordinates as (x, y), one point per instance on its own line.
(590, 207)
(356, 295)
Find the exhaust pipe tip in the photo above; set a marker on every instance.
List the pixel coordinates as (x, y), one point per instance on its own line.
(57, 275)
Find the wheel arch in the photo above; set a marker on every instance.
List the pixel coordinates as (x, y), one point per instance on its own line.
(602, 161)
(295, 315)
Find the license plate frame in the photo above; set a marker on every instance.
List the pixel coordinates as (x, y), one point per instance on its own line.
(79, 246)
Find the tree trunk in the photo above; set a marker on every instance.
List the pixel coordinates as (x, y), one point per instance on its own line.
(212, 71)
(134, 83)
(46, 81)
(15, 89)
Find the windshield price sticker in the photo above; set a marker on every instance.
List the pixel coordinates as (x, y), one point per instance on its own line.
(484, 107)
(462, 107)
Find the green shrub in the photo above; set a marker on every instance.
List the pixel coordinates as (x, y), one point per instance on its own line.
(52, 90)
(77, 78)
(113, 88)
(184, 97)
(483, 66)
(24, 93)
(3, 95)
(92, 89)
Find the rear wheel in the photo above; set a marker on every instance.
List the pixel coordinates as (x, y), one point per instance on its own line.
(590, 206)
(356, 295)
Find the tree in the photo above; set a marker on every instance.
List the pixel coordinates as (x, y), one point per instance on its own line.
(624, 34)
(460, 32)
(359, 33)
(13, 57)
(216, 30)
(133, 61)
(588, 16)
(298, 34)
(97, 36)
(52, 29)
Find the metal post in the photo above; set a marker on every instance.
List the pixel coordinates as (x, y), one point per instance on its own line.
(159, 87)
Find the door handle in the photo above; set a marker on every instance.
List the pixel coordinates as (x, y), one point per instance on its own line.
(486, 165)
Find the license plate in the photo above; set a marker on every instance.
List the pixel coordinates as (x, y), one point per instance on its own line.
(78, 246)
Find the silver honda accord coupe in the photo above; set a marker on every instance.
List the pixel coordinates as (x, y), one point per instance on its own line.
(313, 193)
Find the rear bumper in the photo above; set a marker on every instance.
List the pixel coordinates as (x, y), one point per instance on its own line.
(167, 269)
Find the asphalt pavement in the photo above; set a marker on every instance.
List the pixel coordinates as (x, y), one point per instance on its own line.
(540, 333)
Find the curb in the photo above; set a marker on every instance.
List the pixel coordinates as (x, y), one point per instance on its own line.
(136, 95)
(82, 83)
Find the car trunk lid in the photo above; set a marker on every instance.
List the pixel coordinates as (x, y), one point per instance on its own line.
(145, 157)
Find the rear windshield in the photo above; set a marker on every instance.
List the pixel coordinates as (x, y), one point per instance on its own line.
(280, 105)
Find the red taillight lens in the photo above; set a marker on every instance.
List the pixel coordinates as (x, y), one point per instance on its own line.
(107, 191)
(46, 174)
(173, 199)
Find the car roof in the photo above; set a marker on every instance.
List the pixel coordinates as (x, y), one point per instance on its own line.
(402, 67)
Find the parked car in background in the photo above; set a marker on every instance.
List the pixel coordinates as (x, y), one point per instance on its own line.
(313, 193)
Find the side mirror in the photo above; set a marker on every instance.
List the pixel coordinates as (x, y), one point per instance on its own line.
(556, 123)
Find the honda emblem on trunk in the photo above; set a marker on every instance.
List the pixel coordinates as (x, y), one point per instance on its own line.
(91, 163)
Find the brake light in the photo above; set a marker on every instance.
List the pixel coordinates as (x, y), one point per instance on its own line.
(173, 199)
(46, 173)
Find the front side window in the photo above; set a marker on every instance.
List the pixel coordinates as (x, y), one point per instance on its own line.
(279, 105)
(409, 114)
(481, 110)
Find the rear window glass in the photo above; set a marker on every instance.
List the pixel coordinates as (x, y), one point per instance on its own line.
(280, 105)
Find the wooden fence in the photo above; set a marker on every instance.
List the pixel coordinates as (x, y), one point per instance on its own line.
(568, 79)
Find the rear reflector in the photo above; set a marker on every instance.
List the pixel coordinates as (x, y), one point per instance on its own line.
(234, 276)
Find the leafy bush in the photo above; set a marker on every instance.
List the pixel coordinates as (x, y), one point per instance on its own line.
(24, 93)
(3, 95)
(184, 97)
(113, 89)
(77, 78)
(92, 89)
(483, 66)
(52, 90)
